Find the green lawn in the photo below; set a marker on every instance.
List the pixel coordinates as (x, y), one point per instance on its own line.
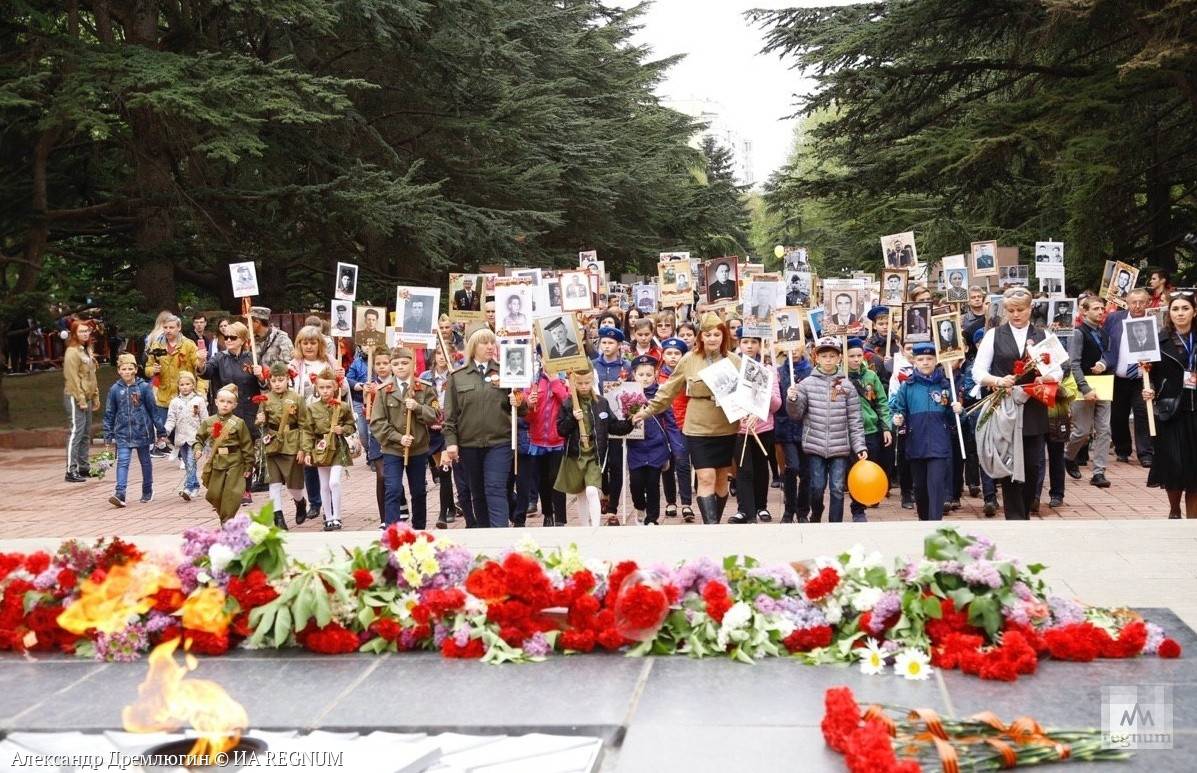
(35, 401)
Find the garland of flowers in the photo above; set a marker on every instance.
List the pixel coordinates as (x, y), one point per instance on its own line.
(961, 605)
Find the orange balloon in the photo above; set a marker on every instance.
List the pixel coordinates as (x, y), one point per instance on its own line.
(867, 482)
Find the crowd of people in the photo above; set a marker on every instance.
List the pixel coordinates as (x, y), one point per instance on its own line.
(241, 411)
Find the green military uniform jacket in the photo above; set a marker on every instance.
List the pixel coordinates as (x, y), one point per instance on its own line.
(874, 405)
(703, 417)
(477, 411)
(232, 456)
(284, 422)
(318, 423)
(388, 418)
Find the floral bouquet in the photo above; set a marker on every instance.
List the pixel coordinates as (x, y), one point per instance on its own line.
(99, 464)
(1038, 373)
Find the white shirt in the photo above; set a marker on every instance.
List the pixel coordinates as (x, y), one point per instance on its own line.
(985, 352)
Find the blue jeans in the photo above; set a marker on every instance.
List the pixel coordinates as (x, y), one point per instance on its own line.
(160, 413)
(187, 455)
(417, 472)
(796, 481)
(311, 481)
(827, 474)
(124, 454)
(489, 470)
(465, 500)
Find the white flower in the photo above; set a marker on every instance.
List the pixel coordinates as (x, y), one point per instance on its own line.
(736, 617)
(866, 598)
(913, 664)
(257, 532)
(833, 611)
(220, 556)
(474, 605)
(527, 545)
(872, 658)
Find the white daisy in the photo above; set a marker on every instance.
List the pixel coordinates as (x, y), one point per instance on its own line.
(913, 664)
(872, 658)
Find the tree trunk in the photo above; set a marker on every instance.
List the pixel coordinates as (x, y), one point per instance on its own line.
(1160, 231)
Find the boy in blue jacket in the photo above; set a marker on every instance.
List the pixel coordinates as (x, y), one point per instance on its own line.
(924, 403)
(131, 422)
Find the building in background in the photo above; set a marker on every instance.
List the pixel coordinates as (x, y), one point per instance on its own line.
(714, 115)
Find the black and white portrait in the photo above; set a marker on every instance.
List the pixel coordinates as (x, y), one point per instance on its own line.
(1122, 281)
(916, 323)
(1063, 315)
(466, 290)
(1049, 260)
(843, 311)
(245, 279)
(1040, 311)
(533, 275)
(763, 298)
(755, 387)
(949, 342)
(787, 327)
(559, 342)
(552, 290)
(1142, 338)
(586, 257)
(1013, 276)
(341, 319)
(722, 280)
(893, 287)
(898, 250)
(796, 260)
(515, 363)
(645, 296)
(956, 285)
(798, 288)
(416, 310)
(513, 307)
(984, 258)
(1051, 285)
(346, 289)
(575, 291)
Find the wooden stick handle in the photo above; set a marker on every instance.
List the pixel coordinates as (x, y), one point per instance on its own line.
(515, 442)
(1150, 403)
(583, 435)
(407, 449)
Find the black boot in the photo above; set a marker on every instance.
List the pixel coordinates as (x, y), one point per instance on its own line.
(301, 512)
(708, 506)
(787, 517)
(722, 503)
(280, 521)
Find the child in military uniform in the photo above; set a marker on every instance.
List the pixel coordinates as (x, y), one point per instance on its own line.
(230, 455)
(329, 421)
(582, 467)
(402, 412)
(281, 418)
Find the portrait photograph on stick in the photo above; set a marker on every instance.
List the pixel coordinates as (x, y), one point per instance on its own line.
(466, 291)
(245, 279)
(368, 326)
(798, 288)
(898, 250)
(513, 306)
(416, 313)
(1049, 260)
(515, 363)
(893, 286)
(560, 343)
(576, 294)
(1121, 282)
(955, 285)
(346, 289)
(916, 323)
(722, 281)
(843, 310)
(949, 340)
(984, 258)
(1142, 338)
(340, 319)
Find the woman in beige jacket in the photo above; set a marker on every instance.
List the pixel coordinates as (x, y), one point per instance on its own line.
(81, 396)
(710, 437)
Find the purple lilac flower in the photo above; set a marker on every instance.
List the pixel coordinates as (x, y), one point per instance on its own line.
(889, 646)
(908, 572)
(886, 607)
(1065, 611)
(1155, 635)
(1017, 613)
(455, 562)
(982, 573)
(159, 621)
(196, 541)
(408, 638)
(235, 533)
(798, 611)
(461, 636)
(781, 574)
(1023, 592)
(123, 646)
(188, 577)
(950, 567)
(537, 646)
(440, 632)
(693, 575)
(47, 579)
(976, 551)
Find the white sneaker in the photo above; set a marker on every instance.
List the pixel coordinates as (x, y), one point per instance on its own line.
(640, 516)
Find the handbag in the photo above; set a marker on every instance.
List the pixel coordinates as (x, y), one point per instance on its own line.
(1165, 407)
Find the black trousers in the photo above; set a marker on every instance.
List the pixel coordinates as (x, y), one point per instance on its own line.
(796, 480)
(552, 501)
(752, 477)
(1018, 497)
(645, 483)
(444, 480)
(905, 478)
(613, 475)
(1128, 400)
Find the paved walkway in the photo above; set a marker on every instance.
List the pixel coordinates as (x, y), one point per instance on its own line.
(36, 502)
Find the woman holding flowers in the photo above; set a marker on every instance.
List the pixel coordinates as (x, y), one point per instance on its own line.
(1001, 364)
(1175, 379)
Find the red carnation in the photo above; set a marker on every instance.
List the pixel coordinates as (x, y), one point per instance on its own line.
(67, 579)
(841, 717)
(36, 563)
(473, 649)
(615, 581)
(387, 628)
(363, 578)
(397, 536)
(576, 640)
(807, 639)
(1169, 648)
(253, 590)
(822, 583)
(217, 428)
(441, 602)
(640, 611)
(715, 594)
(168, 600)
(1020, 367)
(610, 639)
(488, 582)
(332, 639)
(204, 643)
(868, 750)
(259, 398)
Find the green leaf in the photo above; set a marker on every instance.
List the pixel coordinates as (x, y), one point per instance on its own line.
(932, 607)
(323, 608)
(282, 626)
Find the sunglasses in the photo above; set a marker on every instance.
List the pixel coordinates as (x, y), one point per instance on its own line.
(1189, 293)
(232, 338)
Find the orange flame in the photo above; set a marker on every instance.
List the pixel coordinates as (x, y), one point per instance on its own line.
(167, 700)
(107, 606)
